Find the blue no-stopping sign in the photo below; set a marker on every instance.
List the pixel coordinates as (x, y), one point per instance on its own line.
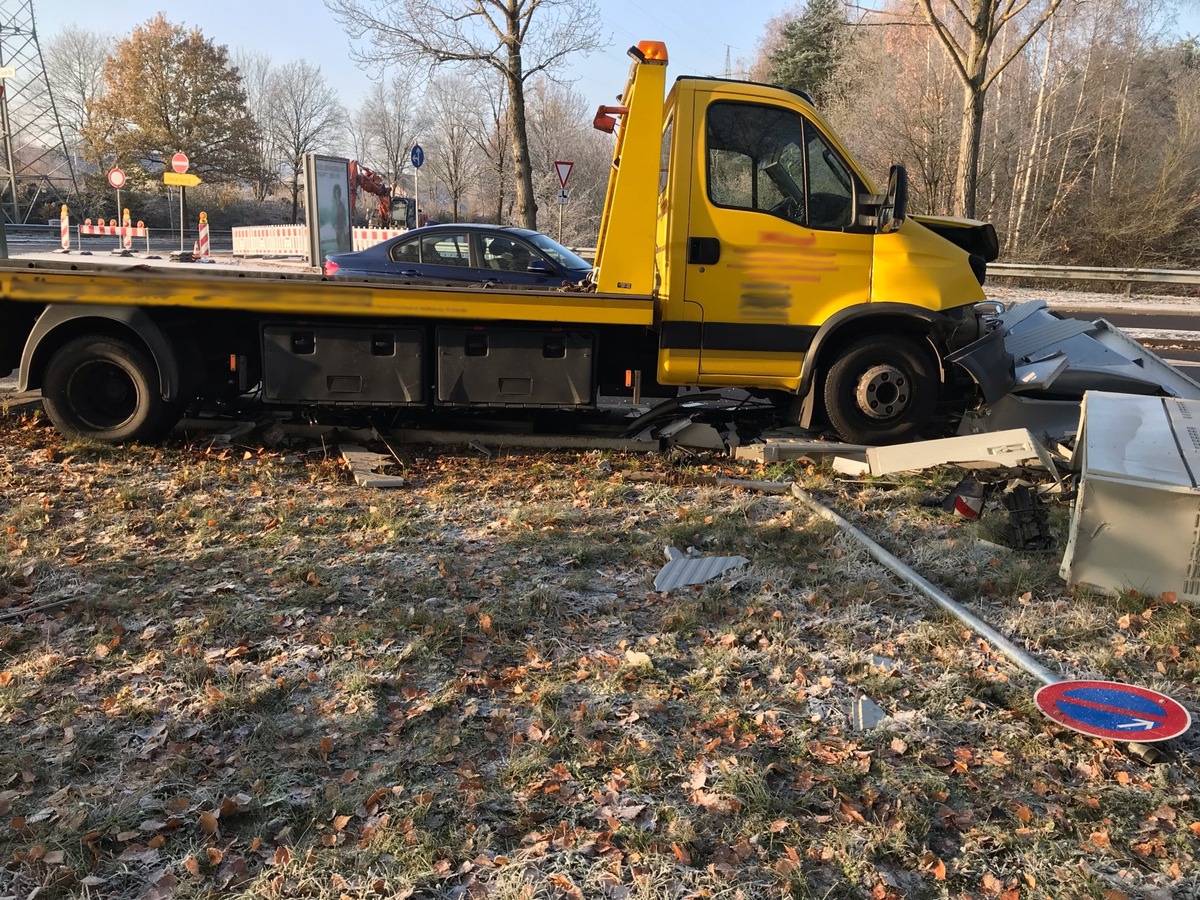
(1109, 709)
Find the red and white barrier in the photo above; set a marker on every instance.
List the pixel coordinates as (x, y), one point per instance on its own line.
(124, 232)
(369, 237)
(203, 246)
(271, 240)
(126, 237)
(64, 229)
(292, 240)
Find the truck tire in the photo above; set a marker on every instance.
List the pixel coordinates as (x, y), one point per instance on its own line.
(881, 390)
(106, 389)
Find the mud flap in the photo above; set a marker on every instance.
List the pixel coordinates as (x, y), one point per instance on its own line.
(989, 363)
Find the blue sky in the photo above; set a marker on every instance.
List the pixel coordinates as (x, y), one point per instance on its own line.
(696, 32)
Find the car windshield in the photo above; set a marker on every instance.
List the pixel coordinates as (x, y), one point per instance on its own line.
(557, 252)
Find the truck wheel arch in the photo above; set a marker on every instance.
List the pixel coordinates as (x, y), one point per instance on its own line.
(62, 322)
(838, 332)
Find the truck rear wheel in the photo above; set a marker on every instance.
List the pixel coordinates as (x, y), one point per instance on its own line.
(881, 390)
(106, 389)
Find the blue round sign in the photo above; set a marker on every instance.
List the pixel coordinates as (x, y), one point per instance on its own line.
(418, 156)
(1109, 709)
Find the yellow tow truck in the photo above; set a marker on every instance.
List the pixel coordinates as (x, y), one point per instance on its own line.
(740, 246)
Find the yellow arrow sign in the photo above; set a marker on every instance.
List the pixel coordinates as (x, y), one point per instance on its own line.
(184, 180)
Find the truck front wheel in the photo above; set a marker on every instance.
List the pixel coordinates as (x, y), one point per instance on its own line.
(881, 390)
(106, 389)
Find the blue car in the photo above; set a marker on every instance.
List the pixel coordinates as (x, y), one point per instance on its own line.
(457, 254)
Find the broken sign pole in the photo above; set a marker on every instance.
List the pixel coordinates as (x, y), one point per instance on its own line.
(1143, 752)
(930, 590)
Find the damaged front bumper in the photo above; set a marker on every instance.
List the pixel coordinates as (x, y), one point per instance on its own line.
(987, 359)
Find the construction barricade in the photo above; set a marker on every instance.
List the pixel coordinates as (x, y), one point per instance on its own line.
(369, 237)
(292, 240)
(203, 248)
(124, 233)
(271, 240)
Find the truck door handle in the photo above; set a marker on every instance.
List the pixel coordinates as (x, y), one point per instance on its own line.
(704, 251)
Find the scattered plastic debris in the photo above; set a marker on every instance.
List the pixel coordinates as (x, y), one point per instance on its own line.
(364, 465)
(866, 714)
(1028, 526)
(690, 568)
(966, 498)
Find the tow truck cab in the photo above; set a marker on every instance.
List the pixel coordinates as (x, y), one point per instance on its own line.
(775, 256)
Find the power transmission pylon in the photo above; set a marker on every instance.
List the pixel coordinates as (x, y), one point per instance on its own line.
(33, 151)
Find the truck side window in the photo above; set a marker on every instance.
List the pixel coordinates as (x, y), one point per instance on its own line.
(664, 157)
(772, 160)
(831, 187)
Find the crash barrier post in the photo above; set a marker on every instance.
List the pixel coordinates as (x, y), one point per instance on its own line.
(271, 240)
(369, 237)
(64, 229)
(203, 245)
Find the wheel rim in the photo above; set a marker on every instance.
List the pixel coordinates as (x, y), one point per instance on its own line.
(102, 395)
(883, 392)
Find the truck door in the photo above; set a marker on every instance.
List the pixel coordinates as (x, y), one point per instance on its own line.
(773, 249)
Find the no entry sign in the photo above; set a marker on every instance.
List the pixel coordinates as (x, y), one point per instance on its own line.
(1109, 709)
(180, 162)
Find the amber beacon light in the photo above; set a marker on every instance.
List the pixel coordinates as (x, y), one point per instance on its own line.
(650, 51)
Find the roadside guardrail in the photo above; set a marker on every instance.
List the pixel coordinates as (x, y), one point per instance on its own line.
(1088, 273)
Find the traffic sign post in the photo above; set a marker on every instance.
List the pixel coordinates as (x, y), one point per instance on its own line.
(116, 178)
(1112, 710)
(418, 159)
(180, 163)
(562, 169)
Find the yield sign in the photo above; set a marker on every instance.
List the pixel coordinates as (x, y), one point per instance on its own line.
(1109, 709)
(564, 171)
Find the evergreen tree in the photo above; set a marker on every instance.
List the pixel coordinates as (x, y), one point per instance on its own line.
(811, 47)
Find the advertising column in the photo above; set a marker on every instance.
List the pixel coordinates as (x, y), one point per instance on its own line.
(327, 206)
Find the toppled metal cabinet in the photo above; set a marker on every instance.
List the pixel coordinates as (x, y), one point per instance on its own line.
(1136, 520)
(1057, 360)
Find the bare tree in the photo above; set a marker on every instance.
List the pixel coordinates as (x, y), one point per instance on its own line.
(560, 128)
(389, 120)
(489, 132)
(967, 30)
(453, 156)
(305, 118)
(75, 67)
(501, 34)
(257, 78)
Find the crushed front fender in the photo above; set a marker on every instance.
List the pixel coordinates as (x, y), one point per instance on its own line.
(989, 363)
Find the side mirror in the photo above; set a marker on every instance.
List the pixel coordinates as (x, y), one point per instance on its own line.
(895, 202)
(539, 267)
